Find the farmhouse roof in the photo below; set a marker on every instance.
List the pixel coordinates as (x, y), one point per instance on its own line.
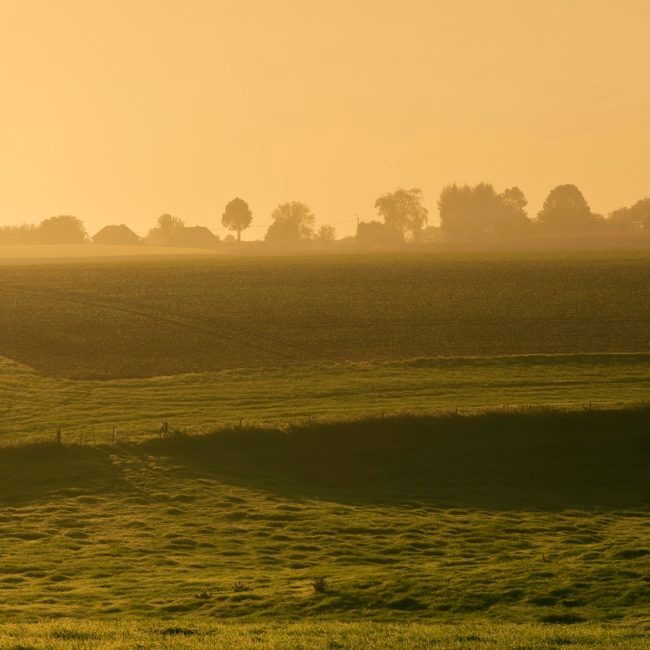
(115, 234)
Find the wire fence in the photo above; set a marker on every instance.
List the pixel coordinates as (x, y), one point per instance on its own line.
(124, 434)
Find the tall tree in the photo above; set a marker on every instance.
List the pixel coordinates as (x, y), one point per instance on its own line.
(514, 198)
(478, 212)
(566, 210)
(292, 222)
(237, 216)
(458, 219)
(64, 229)
(511, 218)
(468, 212)
(403, 210)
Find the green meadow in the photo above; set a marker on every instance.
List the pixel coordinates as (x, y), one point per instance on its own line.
(86, 635)
(362, 451)
(538, 517)
(34, 405)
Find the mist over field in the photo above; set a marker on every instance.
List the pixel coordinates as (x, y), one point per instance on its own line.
(324, 325)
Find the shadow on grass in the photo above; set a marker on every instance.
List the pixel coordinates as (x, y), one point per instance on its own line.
(543, 460)
(34, 472)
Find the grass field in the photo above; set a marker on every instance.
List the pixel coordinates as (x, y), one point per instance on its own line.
(165, 317)
(373, 452)
(74, 635)
(34, 406)
(519, 518)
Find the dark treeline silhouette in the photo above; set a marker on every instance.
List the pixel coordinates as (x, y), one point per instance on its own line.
(633, 219)
(63, 229)
(467, 213)
(479, 212)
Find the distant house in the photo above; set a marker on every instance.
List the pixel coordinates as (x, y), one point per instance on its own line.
(116, 236)
(193, 237)
(376, 233)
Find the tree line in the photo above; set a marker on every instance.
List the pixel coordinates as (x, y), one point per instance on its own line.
(467, 213)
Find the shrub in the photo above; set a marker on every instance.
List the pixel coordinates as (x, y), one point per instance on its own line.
(320, 585)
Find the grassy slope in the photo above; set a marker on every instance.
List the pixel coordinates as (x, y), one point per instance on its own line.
(153, 317)
(34, 406)
(509, 518)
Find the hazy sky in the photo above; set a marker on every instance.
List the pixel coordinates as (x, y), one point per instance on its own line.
(119, 110)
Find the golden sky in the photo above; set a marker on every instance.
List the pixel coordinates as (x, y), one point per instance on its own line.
(118, 110)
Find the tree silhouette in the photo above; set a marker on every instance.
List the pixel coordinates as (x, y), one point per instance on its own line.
(403, 210)
(566, 210)
(64, 229)
(479, 212)
(510, 218)
(169, 224)
(164, 233)
(292, 222)
(25, 234)
(514, 198)
(458, 218)
(237, 216)
(634, 218)
(466, 212)
(326, 234)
